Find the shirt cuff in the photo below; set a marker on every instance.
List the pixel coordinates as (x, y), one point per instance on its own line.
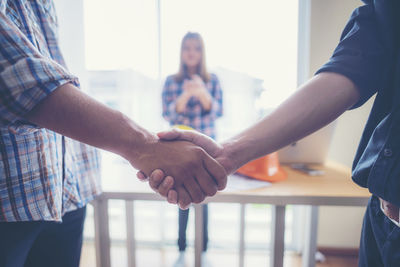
(26, 83)
(366, 79)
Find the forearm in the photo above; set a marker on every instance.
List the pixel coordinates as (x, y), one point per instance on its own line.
(72, 113)
(314, 105)
(205, 100)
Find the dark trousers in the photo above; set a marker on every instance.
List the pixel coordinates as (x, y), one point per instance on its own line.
(183, 221)
(42, 243)
(380, 239)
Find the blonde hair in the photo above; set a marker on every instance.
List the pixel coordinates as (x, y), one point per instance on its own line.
(201, 68)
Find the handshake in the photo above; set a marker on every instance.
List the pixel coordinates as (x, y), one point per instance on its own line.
(184, 166)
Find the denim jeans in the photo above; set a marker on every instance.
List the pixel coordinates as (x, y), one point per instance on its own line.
(43, 243)
(380, 238)
(183, 220)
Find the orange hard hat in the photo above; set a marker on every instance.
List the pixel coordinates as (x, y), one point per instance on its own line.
(266, 168)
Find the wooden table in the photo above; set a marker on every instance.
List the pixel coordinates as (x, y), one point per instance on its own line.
(334, 188)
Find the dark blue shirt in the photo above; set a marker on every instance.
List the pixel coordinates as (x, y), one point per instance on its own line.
(368, 54)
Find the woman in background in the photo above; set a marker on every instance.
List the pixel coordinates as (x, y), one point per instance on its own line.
(193, 98)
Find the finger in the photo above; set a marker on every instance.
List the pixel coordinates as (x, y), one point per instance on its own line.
(141, 176)
(184, 199)
(194, 190)
(207, 183)
(216, 171)
(172, 197)
(165, 186)
(156, 177)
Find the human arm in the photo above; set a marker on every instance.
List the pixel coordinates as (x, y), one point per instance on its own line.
(70, 112)
(314, 105)
(35, 89)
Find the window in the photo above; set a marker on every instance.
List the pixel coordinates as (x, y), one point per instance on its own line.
(131, 46)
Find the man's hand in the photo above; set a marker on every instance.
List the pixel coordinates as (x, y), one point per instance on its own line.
(195, 174)
(163, 184)
(215, 150)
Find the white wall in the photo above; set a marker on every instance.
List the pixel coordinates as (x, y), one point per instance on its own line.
(339, 226)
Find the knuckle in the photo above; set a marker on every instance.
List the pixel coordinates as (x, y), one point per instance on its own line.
(202, 198)
(222, 179)
(213, 191)
(198, 198)
(222, 186)
(210, 189)
(197, 201)
(200, 151)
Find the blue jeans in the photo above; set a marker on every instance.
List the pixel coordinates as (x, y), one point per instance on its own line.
(43, 243)
(183, 221)
(380, 239)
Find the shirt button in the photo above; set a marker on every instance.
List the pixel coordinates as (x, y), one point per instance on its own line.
(387, 152)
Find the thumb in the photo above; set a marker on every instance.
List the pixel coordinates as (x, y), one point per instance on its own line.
(169, 135)
(201, 140)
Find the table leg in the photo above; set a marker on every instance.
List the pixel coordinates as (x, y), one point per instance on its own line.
(277, 236)
(102, 235)
(130, 233)
(241, 234)
(198, 241)
(310, 246)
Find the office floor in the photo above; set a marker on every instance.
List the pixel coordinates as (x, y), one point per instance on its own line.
(149, 257)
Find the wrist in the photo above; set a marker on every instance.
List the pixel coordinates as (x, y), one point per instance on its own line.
(135, 141)
(234, 155)
(186, 95)
(226, 158)
(205, 99)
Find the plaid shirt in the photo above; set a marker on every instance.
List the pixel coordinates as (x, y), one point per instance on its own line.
(42, 174)
(194, 115)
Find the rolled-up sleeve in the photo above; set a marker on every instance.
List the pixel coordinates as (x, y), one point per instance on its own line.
(362, 54)
(26, 75)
